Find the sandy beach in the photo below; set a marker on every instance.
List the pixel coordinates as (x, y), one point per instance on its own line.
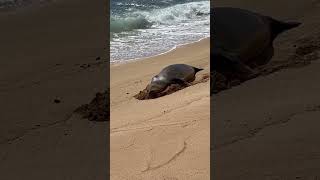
(48, 68)
(167, 137)
(266, 128)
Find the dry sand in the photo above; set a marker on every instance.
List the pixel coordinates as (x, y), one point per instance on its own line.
(268, 127)
(50, 53)
(163, 138)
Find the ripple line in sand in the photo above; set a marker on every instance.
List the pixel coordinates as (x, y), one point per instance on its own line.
(149, 128)
(28, 131)
(174, 157)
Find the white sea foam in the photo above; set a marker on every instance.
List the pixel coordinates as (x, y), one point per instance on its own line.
(147, 33)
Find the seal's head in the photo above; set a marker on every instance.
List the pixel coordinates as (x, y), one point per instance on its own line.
(157, 85)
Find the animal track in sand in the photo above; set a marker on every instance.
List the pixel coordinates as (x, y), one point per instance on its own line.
(172, 158)
(131, 143)
(307, 49)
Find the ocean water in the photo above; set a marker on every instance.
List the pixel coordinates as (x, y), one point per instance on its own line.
(144, 28)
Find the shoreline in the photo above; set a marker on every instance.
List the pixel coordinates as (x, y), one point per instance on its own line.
(163, 53)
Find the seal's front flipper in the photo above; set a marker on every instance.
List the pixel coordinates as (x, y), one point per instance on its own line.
(180, 82)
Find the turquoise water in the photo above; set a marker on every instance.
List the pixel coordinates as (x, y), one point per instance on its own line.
(143, 28)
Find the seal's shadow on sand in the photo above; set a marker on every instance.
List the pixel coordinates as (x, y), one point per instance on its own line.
(144, 95)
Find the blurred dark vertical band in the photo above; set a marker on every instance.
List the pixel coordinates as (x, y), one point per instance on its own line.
(107, 10)
(211, 100)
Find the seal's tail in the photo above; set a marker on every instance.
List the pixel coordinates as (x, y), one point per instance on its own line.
(278, 27)
(197, 69)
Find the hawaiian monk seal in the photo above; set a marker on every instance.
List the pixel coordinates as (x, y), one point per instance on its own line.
(173, 74)
(243, 40)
